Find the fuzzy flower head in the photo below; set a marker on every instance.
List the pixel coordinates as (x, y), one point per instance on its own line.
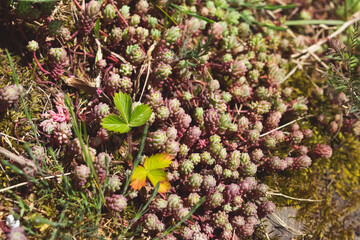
(322, 151)
(135, 53)
(238, 68)
(10, 93)
(116, 203)
(92, 8)
(33, 46)
(59, 55)
(172, 34)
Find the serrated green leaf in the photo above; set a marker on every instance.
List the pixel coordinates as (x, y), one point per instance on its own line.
(115, 123)
(138, 179)
(159, 175)
(123, 103)
(153, 169)
(140, 115)
(158, 161)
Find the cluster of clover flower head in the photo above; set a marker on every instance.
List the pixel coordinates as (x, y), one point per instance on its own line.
(322, 151)
(75, 150)
(74, 147)
(116, 202)
(114, 183)
(33, 46)
(215, 111)
(118, 81)
(220, 150)
(8, 95)
(152, 223)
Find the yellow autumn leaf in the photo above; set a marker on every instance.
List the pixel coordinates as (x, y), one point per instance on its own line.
(157, 161)
(154, 170)
(138, 179)
(159, 175)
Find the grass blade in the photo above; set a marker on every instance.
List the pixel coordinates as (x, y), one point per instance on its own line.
(314, 22)
(193, 14)
(16, 80)
(138, 158)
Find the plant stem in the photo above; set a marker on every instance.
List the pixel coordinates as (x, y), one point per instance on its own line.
(138, 158)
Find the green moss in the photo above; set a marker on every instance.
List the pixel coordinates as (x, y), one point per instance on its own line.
(335, 181)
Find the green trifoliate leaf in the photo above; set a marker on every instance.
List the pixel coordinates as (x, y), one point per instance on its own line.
(123, 103)
(115, 123)
(140, 115)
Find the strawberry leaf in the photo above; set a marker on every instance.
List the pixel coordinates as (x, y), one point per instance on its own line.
(140, 115)
(115, 123)
(154, 170)
(159, 175)
(157, 161)
(138, 179)
(123, 103)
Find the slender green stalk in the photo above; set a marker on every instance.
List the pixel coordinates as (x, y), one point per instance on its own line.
(193, 14)
(85, 150)
(64, 177)
(16, 80)
(314, 22)
(58, 224)
(138, 158)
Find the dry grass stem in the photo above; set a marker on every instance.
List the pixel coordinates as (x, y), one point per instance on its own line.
(293, 198)
(313, 48)
(25, 183)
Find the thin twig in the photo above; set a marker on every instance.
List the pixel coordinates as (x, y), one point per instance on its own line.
(146, 65)
(287, 124)
(316, 46)
(78, 5)
(2, 168)
(46, 72)
(284, 225)
(19, 159)
(267, 236)
(14, 201)
(290, 73)
(25, 183)
(5, 135)
(293, 198)
(7, 140)
(319, 60)
(115, 54)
